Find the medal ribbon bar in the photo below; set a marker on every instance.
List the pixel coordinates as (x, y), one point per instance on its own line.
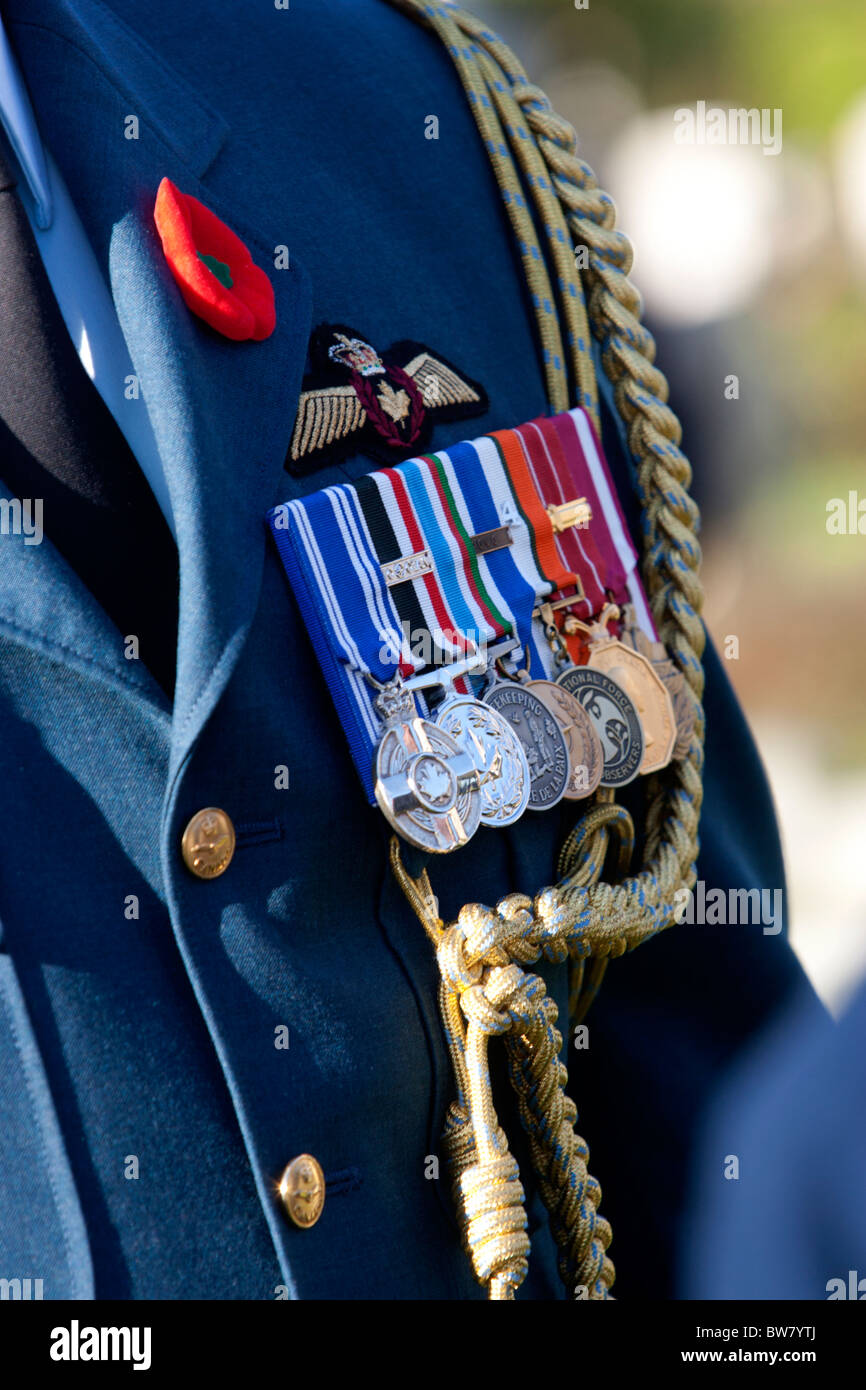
(458, 548)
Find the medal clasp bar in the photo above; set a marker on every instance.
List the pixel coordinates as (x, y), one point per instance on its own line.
(412, 567)
(565, 515)
(443, 677)
(497, 539)
(546, 610)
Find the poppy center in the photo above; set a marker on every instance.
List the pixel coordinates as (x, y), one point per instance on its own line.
(217, 268)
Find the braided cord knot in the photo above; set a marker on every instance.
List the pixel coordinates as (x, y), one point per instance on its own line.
(492, 1198)
(486, 990)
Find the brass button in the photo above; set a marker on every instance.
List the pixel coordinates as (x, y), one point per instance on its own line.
(208, 843)
(302, 1190)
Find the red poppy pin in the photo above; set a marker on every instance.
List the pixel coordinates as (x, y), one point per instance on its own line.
(213, 268)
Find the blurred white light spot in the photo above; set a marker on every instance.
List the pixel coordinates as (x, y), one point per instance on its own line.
(823, 822)
(701, 219)
(850, 168)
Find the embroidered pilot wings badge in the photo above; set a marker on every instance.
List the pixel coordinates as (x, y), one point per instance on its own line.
(358, 400)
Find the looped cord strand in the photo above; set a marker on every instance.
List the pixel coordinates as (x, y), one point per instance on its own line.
(580, 918)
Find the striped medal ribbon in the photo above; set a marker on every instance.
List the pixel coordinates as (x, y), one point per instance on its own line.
(528, 567)
(555, 486)
(627, 698)
(560, 747)
(428, 542)
(607, 528)
(494, 548)
(425, 783)
(446, 501)
(427, 567)
(618, 726)
(525, 473)
(478, 609)
(408, 569)
(331, 564)
(514, 487)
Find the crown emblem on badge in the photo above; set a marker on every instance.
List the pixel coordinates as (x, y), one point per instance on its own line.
(355, 354)
(356, 400)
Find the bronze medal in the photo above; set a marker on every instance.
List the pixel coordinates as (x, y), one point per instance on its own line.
(585, 753)
(670, 674)
(644, 687)
(615, 719)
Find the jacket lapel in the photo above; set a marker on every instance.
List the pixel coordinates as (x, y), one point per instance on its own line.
(221, 411)
(222, 414)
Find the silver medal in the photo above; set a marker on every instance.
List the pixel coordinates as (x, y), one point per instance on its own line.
(497, 752)
(427, 785)
(542, 739)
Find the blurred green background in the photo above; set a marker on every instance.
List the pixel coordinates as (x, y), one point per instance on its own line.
(753, 265)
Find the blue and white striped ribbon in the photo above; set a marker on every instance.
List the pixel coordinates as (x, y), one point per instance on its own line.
(505, 577)
(329, 558)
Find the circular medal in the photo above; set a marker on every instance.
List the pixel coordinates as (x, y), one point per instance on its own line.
(542, 739)
(647, 692)
(585, 753)
(615, 718)
(427, 785)
(503, 772)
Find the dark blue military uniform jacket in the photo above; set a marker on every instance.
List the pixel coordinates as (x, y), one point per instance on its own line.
(154, 1036)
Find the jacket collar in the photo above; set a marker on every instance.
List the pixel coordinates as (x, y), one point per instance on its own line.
(96, 46)
(22, 132)
(222, 412)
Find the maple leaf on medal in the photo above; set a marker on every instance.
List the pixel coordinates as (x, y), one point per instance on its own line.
(435, 782)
